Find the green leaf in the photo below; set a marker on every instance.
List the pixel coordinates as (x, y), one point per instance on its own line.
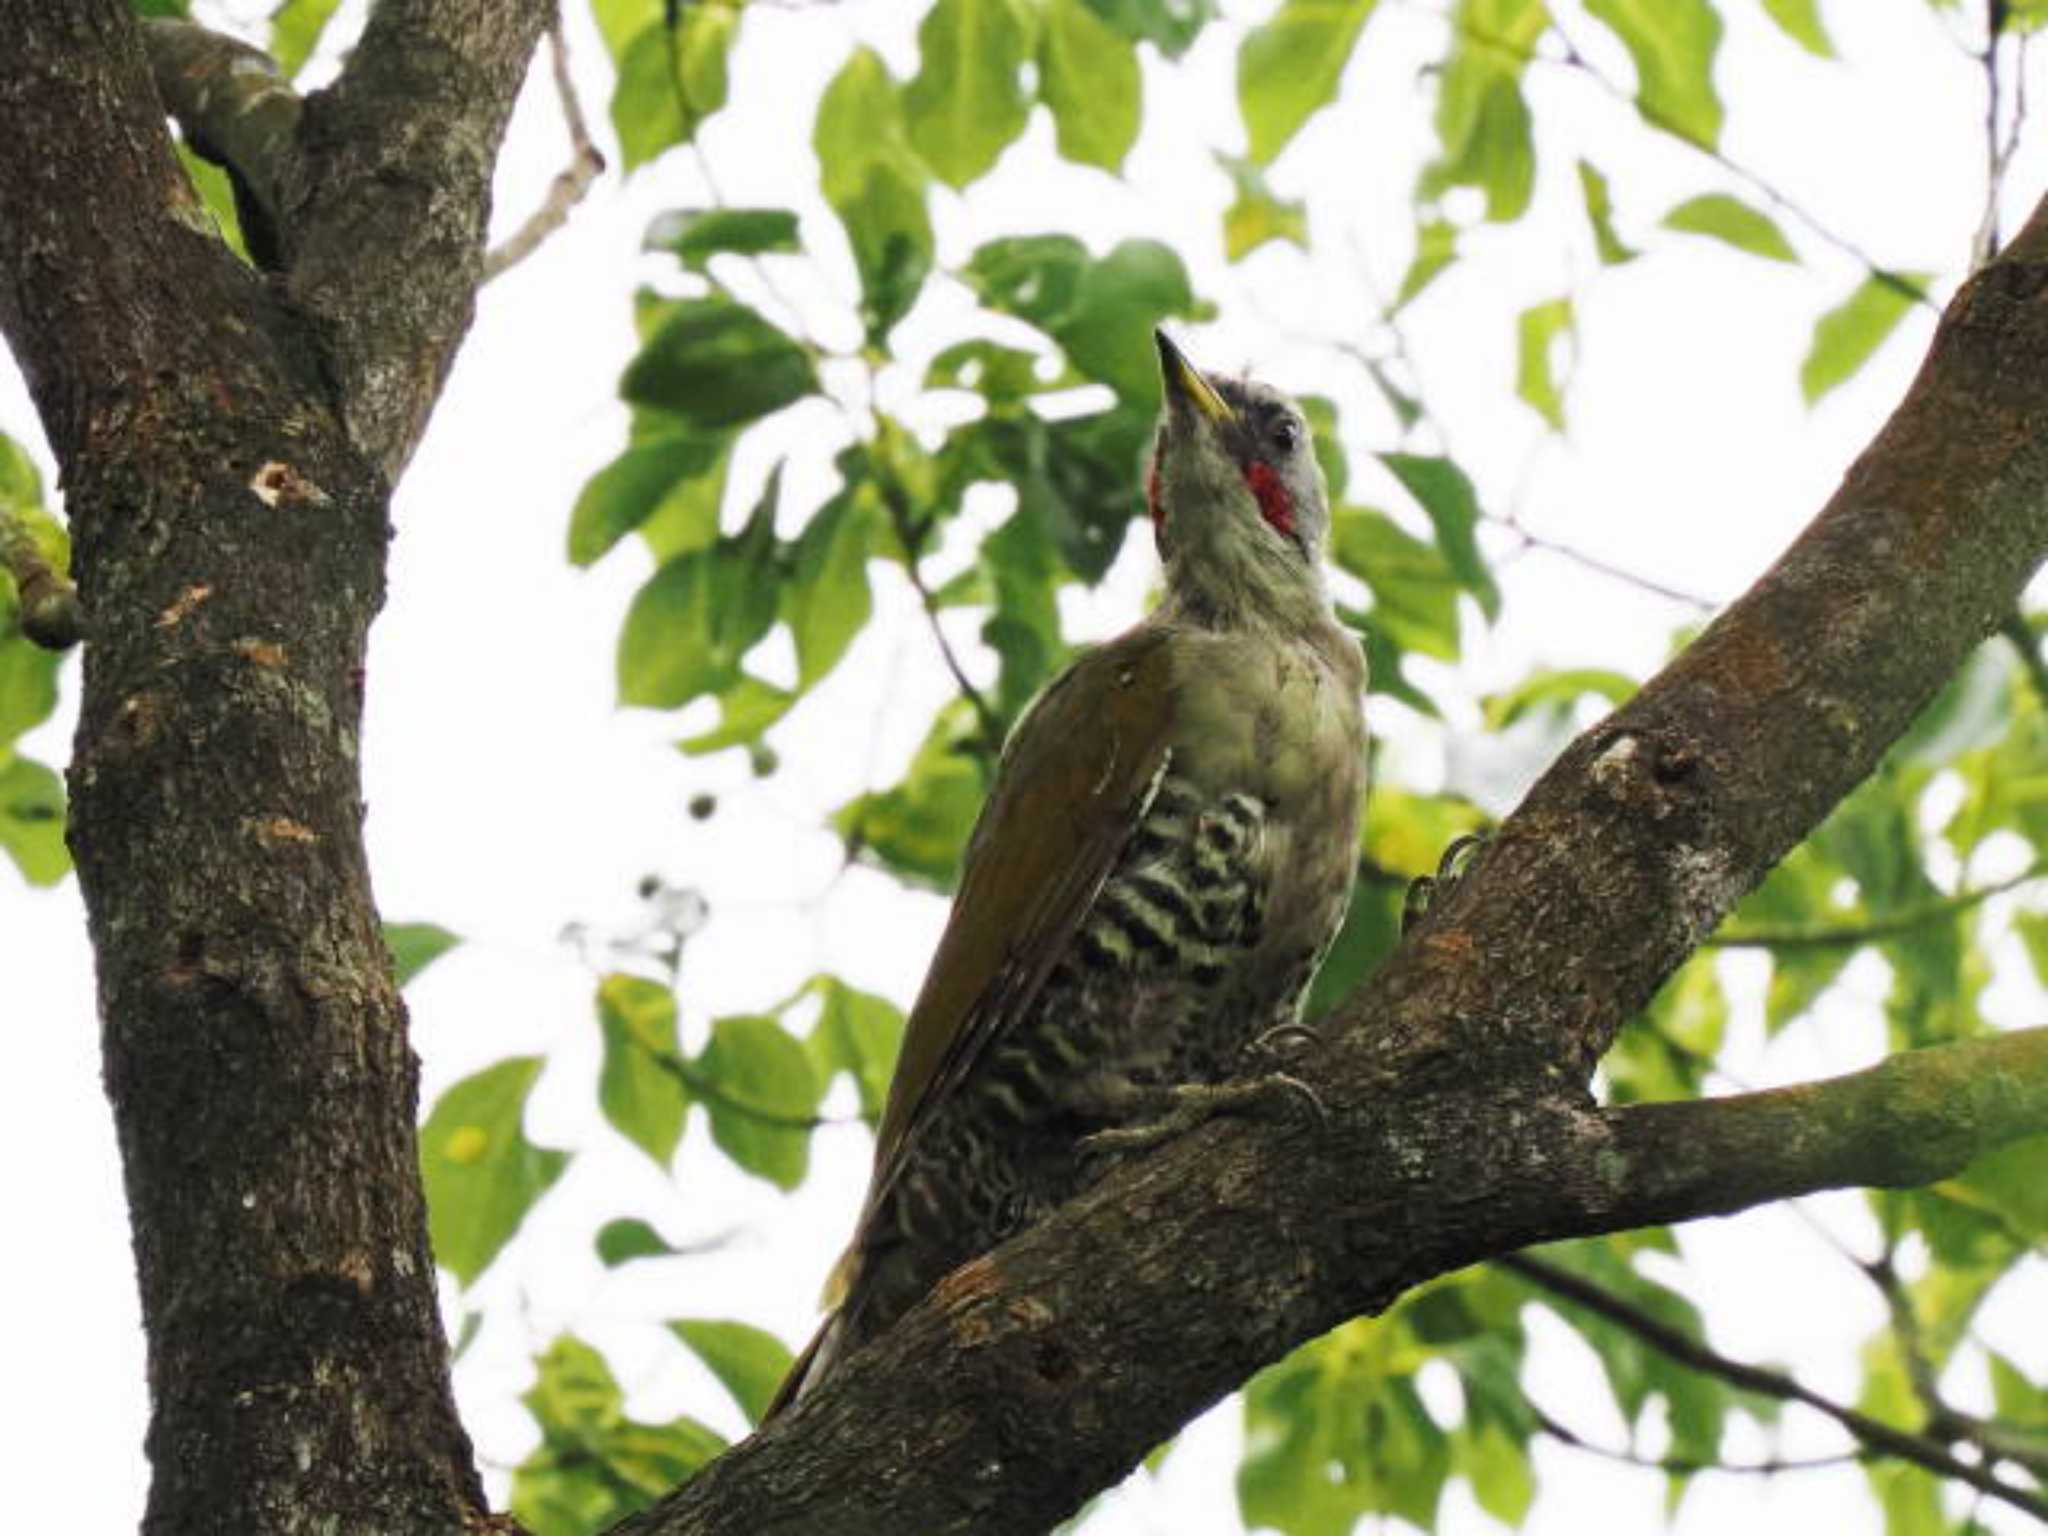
(482, 1175)
(1536, 379)
(715, 363)
(918, 829)
(697, 616)
(1453, 507)
(1257, 216)
(638, 1087)
(1732, 220)
(1482, 120)
(668, 84)
(217, 193)
(1548, 688)
(857, 1033)
(1847, 336)
(32, 819)
(594, 1465)
(875, 181)
(747, 1361)
(1101, 312)
(1436, 247)
(966, 103)
(1800, 20)
(1600, 214)
(628, 1238)
(1497, 1467)
(1673, 43)
(694, 235)
(639, 483)
(2008, 1180)
(1414, 593)
(295, 28)
(826, 600)
(1088, 75)
(1371, 929)
(415, 946)
(1292, 64)
(1024, 572)
(758, 1087)
(28, 677)
(1001, 375)
(746, 708)
(1171, 26)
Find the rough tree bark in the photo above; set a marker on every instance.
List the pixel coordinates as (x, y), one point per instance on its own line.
(228, 439)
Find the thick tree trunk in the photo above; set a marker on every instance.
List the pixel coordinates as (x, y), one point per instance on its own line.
(225, 438)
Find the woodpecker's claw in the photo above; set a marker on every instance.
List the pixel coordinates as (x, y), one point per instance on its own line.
(1450, 869)
(1194, 1104)
(1294, 1036)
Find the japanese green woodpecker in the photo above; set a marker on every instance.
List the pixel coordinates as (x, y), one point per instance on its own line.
(1164, 858)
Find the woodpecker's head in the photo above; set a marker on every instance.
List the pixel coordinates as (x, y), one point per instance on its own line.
(1237, 497)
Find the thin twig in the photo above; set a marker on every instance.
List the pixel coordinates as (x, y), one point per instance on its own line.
(1685, 1466)
(1877, 1436)
(1848, 935)
(569, 188)
(1602, 567)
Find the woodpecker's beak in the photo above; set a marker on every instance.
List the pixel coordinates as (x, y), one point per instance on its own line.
(1185, 384)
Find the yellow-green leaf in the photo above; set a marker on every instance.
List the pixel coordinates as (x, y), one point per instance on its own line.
(1292, 64)
(638, 1087)
(966, 103)
(749, 1362)
(481, 1174)
(1673, 43)
(1800, 20)
(1088, 74)
(1730, 219)
(1536, 371)
(1257, 215)
(1846, 337)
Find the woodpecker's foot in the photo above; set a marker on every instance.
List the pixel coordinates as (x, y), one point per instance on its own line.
(1283, 1039)
(1450, 869)
(1189, 1105)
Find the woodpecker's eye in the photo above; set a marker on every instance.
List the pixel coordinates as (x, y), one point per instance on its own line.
(1286, 433)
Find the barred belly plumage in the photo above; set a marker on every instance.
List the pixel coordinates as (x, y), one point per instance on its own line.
(1143, 998)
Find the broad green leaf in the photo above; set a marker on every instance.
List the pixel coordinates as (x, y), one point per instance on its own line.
(1291, 64)
(217, 194)
(669, 82)
(1001, 375)
(1024, 571)
(1384, 656)
(2009, 1180)
(415, 946)
(748, 1362)
(1497, 1467)
(1088, 75)
(746, 708)
(1801, 21)
(875, 181)
(1436, 247)
(1847, 336)
(1799, 893)
(295, 28)
(918, 829)
(857, 1033)
(1171, 26)
(756, 1083)
(1600, 215)
(640, 482)
(694, 235)
(638, 1086)
(1730, 219)
(1673, 43)
(1102, 312)
(1371, 929)
(481, 1173)
(1536, 375)
(1337, 1431)
(1256, 215)
(32, 819)
(1406, 833)
(594, 1465)
(686, 517)
(628, 1238)
(1481, 119)
(966, 103)
(1447, 496)
(715, 363)
(1546, 688)
(697, 616)
(825, 600)
(28, 676)
(1414, 591)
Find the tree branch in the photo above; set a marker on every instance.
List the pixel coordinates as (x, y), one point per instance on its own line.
(1455, 1077)
(570, 187)
(1891, 925)
(1873, 1433)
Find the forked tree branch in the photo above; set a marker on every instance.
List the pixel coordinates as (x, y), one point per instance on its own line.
(1458, 1126)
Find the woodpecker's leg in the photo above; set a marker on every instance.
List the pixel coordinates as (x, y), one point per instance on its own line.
(1187, 1105)
(1450, 869)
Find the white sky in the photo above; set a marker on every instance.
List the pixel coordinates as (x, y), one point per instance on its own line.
(509, 798)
